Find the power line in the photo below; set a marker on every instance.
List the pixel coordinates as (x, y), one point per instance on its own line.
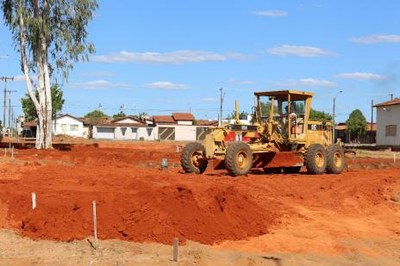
(5, 79)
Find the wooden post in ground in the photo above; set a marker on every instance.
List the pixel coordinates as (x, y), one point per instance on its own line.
(96, 243)
(175, 252)
(33, 200)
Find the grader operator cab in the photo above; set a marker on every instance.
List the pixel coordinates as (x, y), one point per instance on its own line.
(281, 138)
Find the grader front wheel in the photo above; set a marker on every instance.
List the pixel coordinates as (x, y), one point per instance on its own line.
(239, 159)
(193, 158)
(315, 159)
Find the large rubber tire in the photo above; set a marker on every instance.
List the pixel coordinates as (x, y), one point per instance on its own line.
(335, 163)
(238, 159)
(315, 159)
(193, 158)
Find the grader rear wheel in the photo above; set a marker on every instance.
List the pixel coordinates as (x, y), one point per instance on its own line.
(315, 159)
(239, 159)
(335, 159)
(193, 158)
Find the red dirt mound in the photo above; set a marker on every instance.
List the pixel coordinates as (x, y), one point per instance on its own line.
(135, 201)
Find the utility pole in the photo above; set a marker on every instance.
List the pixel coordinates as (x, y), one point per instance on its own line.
(222, 96)
(5, 79)
(333, 117)
(10, 121)
(372, 122)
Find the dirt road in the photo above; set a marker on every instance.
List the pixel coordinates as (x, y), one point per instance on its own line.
(255, 219)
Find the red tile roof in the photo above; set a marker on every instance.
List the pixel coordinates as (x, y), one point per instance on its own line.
(27, 124)
(163, 119)
(395, 101)
(207, 123)
(182, 116)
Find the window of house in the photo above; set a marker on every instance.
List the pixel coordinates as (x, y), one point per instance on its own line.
(74, 127)
(149, 131)
(391, 130)
(123, 131)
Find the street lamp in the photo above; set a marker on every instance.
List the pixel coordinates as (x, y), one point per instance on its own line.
(333, 116)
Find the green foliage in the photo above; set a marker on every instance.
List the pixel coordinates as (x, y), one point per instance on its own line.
(57, 97)
(242, 115)
(96, 116)
(62, 24)
(319, 116)
(121, 114)
(356, 124)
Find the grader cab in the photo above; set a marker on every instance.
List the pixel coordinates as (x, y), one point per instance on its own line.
(280, 138)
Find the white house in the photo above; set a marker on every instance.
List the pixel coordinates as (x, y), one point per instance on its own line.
(388, 123)
(127, 128)
(70, 126)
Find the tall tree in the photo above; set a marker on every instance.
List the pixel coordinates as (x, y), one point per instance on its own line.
(356, 125)
(96, 116)
(119, 115)
(57, 97)
(319, 116)
(49, 35)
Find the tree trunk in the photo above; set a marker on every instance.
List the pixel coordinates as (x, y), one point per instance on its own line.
(43, 104)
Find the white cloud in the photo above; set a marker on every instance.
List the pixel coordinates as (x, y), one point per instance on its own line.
(306, 82)
(19, 78)
(99, 84)
(270, 13)
(360, 76)
(390, 38)
(210, 100)
(165, 85)
(303, 51)
(4, 57)
(176, 57)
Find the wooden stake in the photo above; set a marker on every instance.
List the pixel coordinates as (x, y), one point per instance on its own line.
(12, 152)
(96, 243)
(33, 200)
(175, 251)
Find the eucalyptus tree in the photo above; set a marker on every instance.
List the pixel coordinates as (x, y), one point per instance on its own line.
(50, 36)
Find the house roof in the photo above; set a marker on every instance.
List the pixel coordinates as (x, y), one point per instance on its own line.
(182, 116)
(163, 119)
(207, 123)
(343, 126)
(395, 101)
(68, 115)
(33, 123)
(135, 119)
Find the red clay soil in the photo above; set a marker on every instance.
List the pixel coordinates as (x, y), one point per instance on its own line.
(137, 201)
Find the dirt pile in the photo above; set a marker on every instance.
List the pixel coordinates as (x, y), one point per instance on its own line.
(136, 201)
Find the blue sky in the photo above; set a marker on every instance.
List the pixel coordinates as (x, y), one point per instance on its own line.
(169, 56)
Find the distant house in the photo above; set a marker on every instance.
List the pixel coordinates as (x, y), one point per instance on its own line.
(186, 119)
(343, 134)
(127, 128)
(62, 125)
(181, 127)
(388, 123)
(70, 126)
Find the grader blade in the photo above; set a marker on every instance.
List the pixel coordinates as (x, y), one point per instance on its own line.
(279, 159)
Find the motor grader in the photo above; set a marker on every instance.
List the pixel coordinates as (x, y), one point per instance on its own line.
(281, 138)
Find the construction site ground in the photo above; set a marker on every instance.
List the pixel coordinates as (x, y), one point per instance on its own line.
(258, 219)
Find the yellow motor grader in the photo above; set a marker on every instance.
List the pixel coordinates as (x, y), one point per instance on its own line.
(281, 138)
